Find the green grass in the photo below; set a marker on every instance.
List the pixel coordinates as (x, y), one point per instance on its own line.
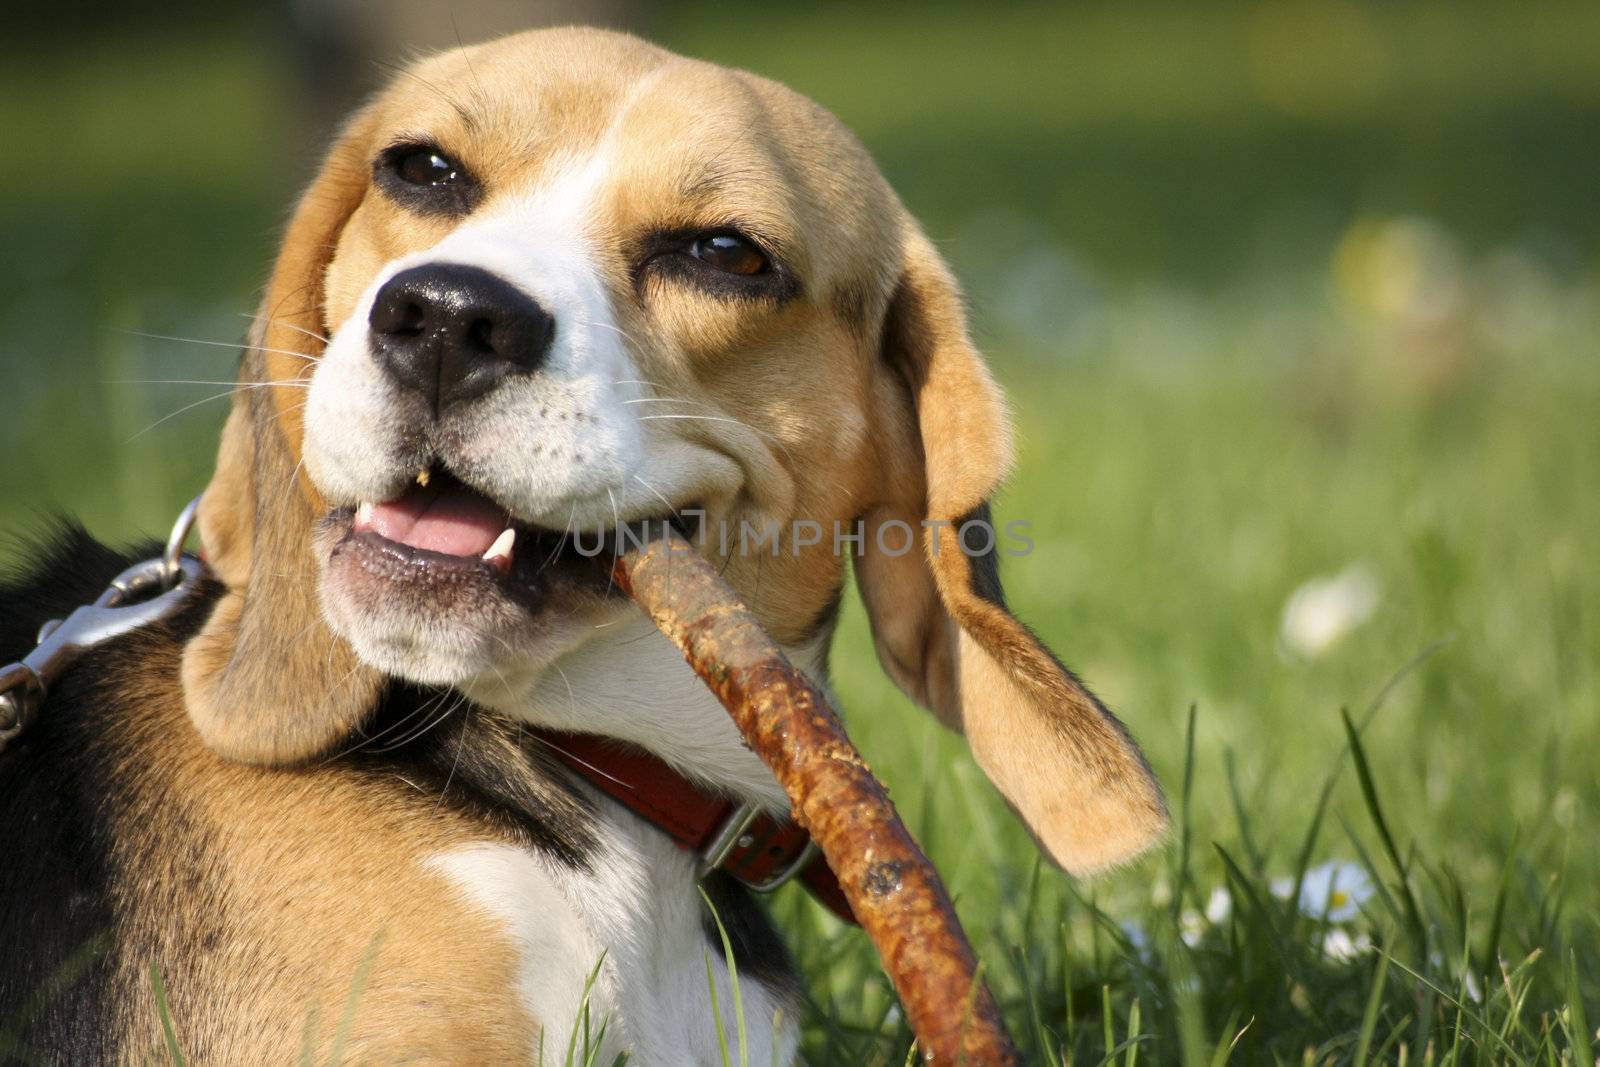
(1174, 516)
(1280, 292)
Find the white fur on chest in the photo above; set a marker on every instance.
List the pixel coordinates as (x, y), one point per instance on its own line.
(640, 903)
(633, 925)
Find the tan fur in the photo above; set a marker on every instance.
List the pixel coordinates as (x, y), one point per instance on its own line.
(1064, 763)
(860, 399)
(266, 681)
(281, 905)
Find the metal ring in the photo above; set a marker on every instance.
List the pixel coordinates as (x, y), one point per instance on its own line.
(170, 572)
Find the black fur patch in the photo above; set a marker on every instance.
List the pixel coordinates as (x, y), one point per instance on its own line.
(57, 921)
(757, 948)
(979, 543)
(478, 763)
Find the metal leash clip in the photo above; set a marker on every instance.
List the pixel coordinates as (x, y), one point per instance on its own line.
(145, 593)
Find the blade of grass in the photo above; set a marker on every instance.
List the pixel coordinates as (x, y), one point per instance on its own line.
(168, 1032)
(74, 967)
(581, 1022)
(716, 1012)
(1369, 792)
(1308, 845)
(358, 982)
(1497, 916)
(1573, 1018)
(1241, 813)
(1225, 1044)
(1134, 1034)
(1185, 831)
(733, 981)
(1041, 1036)
(1184, 984)
(1445, 996)
(1369, 1018)
(1107, 1024)
(593, 1046)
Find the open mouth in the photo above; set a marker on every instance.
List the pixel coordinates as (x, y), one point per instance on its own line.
(440, 520)
(441, 531)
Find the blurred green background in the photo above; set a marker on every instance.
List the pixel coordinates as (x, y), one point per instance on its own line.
(1297, 304)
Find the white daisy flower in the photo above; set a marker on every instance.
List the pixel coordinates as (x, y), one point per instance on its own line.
(1337, 944)
(1320, 613)
(1191, 928)
(1219, 905)
(1335, 891)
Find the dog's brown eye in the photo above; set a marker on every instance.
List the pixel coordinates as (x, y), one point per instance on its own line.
(418, 176)
(729, 252)
(723, 263)
(424, 166)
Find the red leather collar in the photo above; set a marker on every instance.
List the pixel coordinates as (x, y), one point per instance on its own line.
(764, 854)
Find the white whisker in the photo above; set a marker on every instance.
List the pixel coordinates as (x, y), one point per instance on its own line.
(460, 744)
(719, 418)
(670, 506)
(242, 346)
(572, 697)
(180, 411)
(204, 381)
(313, 334)
(367, 739)
(566, 531)
(624, 334)
(573, 756)
(429, 726)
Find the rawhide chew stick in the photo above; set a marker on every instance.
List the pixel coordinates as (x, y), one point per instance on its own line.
(896, 894)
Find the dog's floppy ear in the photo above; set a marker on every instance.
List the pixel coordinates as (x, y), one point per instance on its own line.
(265, 680)
(941, 626)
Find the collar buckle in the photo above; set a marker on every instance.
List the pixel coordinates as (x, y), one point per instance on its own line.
(752, 845)
(737, 838)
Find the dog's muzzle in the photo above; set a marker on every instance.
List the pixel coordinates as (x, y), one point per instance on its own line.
(450, 333)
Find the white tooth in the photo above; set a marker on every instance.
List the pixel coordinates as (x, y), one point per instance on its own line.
(502, 545)
(364, 514)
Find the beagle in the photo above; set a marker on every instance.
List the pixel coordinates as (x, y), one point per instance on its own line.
(541, 287)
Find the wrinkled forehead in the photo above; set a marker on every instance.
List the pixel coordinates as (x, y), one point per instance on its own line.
(665, 140)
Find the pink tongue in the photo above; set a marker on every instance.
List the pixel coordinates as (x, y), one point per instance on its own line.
(453, 521)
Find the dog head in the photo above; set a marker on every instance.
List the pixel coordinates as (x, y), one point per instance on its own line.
(567, 279)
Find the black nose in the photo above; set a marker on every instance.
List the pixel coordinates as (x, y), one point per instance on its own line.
(451, 333)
